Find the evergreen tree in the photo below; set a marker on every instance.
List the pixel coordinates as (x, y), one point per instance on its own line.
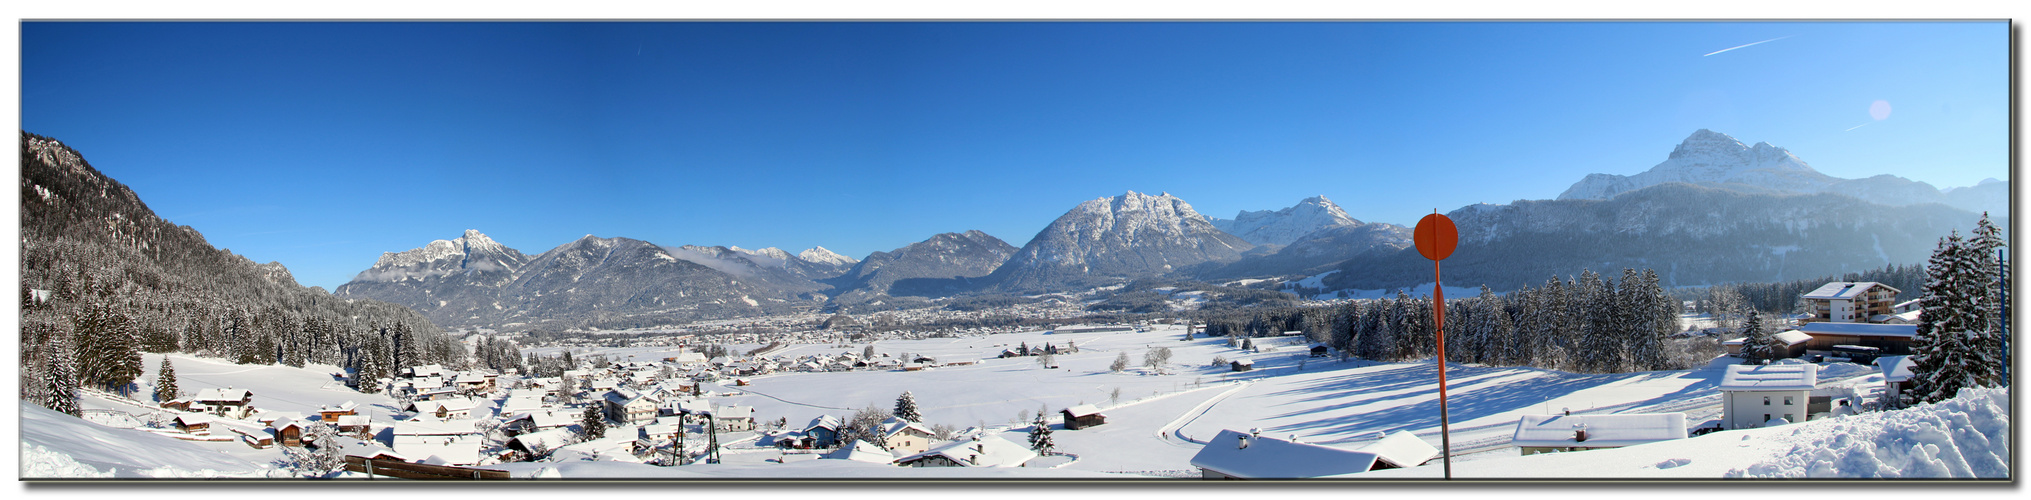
(1954, 347)
(592, 424)
(906, 408)
(61, 391)
(1755, 342)
(1040, 437)
(165, 381)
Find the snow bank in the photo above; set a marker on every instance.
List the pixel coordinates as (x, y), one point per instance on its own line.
(37, 461)
(91, 450)
(1964, 437)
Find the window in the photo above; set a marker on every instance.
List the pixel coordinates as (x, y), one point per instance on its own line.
(1766, 402)
(1788, 418)
(1787, 401)
(1766, 417)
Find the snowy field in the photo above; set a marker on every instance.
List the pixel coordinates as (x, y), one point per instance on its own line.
(1153, 429)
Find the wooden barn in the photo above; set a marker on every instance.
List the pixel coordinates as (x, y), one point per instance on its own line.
(1083, 416)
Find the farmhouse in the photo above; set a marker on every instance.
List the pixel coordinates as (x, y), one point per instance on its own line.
(287, 431)
(822, 432)
(984, 451)
(1754, 395)
(903, 436)
(734, 418)
(1850, 302)
(444, 409)
(354, 425)
(1083, 416)
(1233, 454)
(1558, 433)
(1887, 339)
(194, 423)
(227, 402)
(332, 413)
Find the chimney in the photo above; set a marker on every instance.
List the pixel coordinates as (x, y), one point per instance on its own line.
(1580, 433)
(1244, 442)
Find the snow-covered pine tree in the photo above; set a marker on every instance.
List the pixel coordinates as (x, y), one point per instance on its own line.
(165, 381)
(1523, 339)
(1040, 437)
(61, 392)
(591, 423)
(1755, 342)
(906, 408)
(1554, 325)
(1595, 304)
(1985, 243)
(1948, 353)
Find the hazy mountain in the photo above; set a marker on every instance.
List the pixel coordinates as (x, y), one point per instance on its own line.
(1114, 239)
(1319, 251)
(1690, 234)
(1713, 159)
(943, 264)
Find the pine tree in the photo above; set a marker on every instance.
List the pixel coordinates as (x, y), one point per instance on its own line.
(165, 381)
(1755, 342)
(1954, 347)
(592, 425)
(906, 408)
(61, 392)
(1040, 437)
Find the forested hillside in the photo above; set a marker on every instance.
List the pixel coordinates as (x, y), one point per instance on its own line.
(103, 279)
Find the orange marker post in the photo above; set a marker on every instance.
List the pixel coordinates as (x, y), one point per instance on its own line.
(1436, 237)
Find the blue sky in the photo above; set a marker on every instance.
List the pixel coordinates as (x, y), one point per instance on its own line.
(322, 145)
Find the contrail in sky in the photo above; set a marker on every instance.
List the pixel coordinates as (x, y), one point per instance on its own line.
(1746, 45)
(1858, 126)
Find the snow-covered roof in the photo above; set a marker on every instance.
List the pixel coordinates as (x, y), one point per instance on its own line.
(194, 418)
(428, 427)
(352, 420)
(1798, 377)
(284, 423)
(1895, 368)
(893, 425)
(1603, 431)
(1402, 449)
(448, 405)
(1845, 290)
(1792, 337)
(1239, 454)
(1082, 410)
(347, 406)
(826, 421)
(733, 412)
(984, 451)
(215, 394)
(549, 418)
(862, 452)
(1859, 329)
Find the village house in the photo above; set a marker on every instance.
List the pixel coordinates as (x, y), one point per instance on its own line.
(1234, 454)
(1560, 433)
(1794, 344)
(355, 425)
(1850, 302)
(863, 452)
(446, 409)
(453, 442)
(328, 413)
(1083, 416)
(540, 420)
(822, 432)
(228, 402)
(903, 436)
(472, 383)
(983, 451)
(1753, 395)
(194, 423)
(734, 418)
(287, 431)
(429, 370)
(437, 394)
(629, 407)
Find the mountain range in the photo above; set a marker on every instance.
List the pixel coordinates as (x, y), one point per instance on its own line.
(1714, 210)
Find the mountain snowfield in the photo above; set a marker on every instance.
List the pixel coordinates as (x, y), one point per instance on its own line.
(1118, 238)
(1159, 421)
(1283, 226)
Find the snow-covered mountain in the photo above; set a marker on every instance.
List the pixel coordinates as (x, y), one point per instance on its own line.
(1714, 159)
(1319, 250)
(1116, 238)
(927, 267)
(822, 256)
(1281, 227)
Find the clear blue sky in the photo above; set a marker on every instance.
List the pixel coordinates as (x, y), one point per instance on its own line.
(322, 145)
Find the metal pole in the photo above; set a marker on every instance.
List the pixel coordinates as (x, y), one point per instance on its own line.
(1439, 320)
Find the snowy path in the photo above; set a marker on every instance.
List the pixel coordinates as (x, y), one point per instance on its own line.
(1170, 430)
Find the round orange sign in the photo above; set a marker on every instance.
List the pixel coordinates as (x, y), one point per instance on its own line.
(1435, 236)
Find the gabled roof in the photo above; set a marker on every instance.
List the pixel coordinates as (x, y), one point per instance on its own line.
(862, 452)
(1239, 454)
(347, 406)
(1770, 377)
(893, 425)
(1846, 290)
(1603, 431)
(733, 411)
(826, 421)
(1895, 368)
(1402, 449)
(194, 418)
(985, 451)
(1859, 329)
(1082, 410)
(1792, 337)
(233, 395)
(352, 420)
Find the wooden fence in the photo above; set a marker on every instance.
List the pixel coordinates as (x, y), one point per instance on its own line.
(406, 470)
